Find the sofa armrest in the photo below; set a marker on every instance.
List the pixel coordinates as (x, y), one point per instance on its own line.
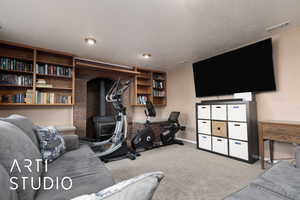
(71, 142)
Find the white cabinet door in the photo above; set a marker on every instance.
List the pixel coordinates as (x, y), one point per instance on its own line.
(204, 126)
(237, 112)
(220, 145)
(219, 112)
(238, 149)
(237, 130)
(204, 142)
(203, 111)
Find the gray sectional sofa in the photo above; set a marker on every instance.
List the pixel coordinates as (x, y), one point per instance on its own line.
(18, 141)
(281, 182)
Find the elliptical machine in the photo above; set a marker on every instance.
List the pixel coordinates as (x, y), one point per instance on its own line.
(144, 139)
(116, 146)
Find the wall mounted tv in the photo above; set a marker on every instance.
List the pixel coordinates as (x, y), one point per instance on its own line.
(248, 69)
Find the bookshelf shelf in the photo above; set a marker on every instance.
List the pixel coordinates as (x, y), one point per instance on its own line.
(19, 57)
(53, 76)
(14, 104)
(16, 86)
(145, 88)
(143, 85)
(54, 104)
(53, 88)
(15, 71)
(30, 104)
(54, 63)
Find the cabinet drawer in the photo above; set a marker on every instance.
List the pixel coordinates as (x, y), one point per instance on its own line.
(204, 126)
(203, 111)
(237, 130)
(219, 112)
(219, 128)
(237, 112)
(204, 142)
(238, 149)
(220, 145)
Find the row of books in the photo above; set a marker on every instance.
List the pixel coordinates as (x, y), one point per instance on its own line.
(53, 70)
(159, 93)
(142, 99)
(14, 64)
(52, 98)
(158, 84)
(43, 83)
(12, 79)
(12, 98)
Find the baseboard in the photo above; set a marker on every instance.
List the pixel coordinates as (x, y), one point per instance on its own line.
(186, 140)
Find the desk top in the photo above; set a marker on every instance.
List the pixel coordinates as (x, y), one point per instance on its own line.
(280, 122)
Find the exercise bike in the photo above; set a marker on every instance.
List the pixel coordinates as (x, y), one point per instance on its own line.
(144, 139)
(115, 147)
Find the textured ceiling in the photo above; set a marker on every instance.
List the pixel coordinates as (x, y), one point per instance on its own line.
(171, 30)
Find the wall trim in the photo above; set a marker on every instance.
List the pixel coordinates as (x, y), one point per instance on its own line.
(186, 140)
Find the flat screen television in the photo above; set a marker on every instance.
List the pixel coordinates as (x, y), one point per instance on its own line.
(248, 69)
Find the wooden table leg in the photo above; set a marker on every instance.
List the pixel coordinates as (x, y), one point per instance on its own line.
(261, 147)
(271, 151)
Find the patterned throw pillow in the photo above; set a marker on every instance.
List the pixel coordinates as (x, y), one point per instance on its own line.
(52, 144)
(140, 188)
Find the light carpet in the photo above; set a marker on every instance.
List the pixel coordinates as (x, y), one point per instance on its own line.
(190, 174)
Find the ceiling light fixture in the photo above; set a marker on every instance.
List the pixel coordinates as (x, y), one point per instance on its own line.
(147, 55)
(90, 41)
(278, 26)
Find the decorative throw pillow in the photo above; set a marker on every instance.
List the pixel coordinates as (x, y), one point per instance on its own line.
(141, 187)
(52, 144)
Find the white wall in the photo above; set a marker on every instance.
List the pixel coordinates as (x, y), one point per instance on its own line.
(283, 104)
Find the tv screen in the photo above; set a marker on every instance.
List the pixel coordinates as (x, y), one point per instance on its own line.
(248, 69)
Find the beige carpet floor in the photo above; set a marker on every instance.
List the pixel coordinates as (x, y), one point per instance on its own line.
(190, 174)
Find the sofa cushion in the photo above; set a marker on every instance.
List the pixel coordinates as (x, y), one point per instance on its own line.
(88, 174)
(283, 178)
(71, 142)
(52, 144)
(24, 124)
(16, 145)
(5, 191)
(141, 187)
(253, 192)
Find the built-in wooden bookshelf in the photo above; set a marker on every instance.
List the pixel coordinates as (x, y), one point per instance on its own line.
(149, 84)
(32, 76)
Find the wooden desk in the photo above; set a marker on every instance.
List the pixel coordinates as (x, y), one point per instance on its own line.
(281, 131)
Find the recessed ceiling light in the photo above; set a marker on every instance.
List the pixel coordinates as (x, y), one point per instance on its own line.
(147, 55)
(90, 41)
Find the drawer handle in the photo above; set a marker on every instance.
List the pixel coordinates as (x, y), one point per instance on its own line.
(237, 125)
(204, 137)
(219, 140)
(219, 128)
(203, 107)
(237, 143)
(235, 106)
(218, 106)
(204, 122)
